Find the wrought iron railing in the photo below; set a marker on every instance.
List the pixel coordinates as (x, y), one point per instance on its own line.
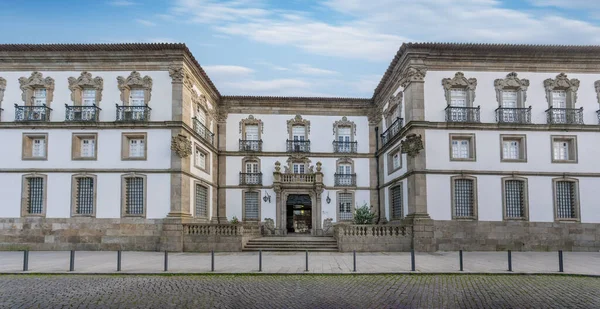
(82, 113)
(564, 115)
(298, 178)
(344, 147)
(298, 146)
(392, 130)
(250, 145)
(127, 113)
(513, 115)
(345, 180)
(250, 178)
(462, 114)
(203, 131)
(39, 113)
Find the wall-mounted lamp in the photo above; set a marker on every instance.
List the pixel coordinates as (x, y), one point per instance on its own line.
(267, 197)
(328, 199)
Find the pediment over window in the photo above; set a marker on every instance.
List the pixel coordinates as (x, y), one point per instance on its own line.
(2, 88)
(251, 120)
(85, 81)
(295, 159)
(36, 81)
(512, 83)
(134, 81)
(459, 81)
(596, 86)
(562, 82)
(298, 121)
(344, 122)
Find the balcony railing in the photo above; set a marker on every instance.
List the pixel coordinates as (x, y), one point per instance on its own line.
(250, 178)
(203, 131)
(462, 114)
(133, 113)
(392, 130)
(345, 180)
(344, 147)
(32, 113)
(82, 113)
(298, 178)
(250, 145)
(513, 115)
(298, 146)
(564, 115)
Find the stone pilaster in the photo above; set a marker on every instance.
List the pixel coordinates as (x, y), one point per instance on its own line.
(220, 212)
(375, 120)
(319, 188)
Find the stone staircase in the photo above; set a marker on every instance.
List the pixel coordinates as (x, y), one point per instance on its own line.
(321, 244)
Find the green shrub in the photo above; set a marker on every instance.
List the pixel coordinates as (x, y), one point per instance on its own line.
(363, 215)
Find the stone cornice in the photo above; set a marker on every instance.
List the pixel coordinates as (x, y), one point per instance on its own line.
(296, 105)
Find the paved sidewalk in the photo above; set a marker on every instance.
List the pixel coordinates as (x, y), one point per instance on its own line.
(294, 262)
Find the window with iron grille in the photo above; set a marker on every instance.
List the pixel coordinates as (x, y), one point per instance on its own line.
(566, 200)
(345, 206)
(201, 201)
(396, 199)
(134, 196)
(35, 198)
(463, 198)
(85, 196)
(251, 206)
(514, 198)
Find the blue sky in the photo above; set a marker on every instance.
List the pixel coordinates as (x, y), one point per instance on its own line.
(299, 47)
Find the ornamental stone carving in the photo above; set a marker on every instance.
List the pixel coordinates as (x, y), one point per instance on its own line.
(413, 74)
(2, 88)
(344, 122)
(374, 115)
(412, 145)
(85, 81)
(512, 82)
(297, 158)
(277, 166)
(177, 74)
(36, 81)
(596, 85)
(181, 145)
(562, 82)
(298, 121)
(269, 226)
(460, 82)
(134, 81)
(251, 121)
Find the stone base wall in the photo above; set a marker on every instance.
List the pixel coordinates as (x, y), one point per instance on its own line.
(371, 238)
(518, 236)
(220, 238)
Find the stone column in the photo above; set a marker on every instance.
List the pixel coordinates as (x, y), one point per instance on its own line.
(279, 200)
(318, 191)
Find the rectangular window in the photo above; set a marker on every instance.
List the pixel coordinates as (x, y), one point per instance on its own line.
(298, 168)
(88, 147)
(559, 99)
(510, 149)
(458, 97)
(566, 200)
(88, 97)
(84, 199)
(251, 206)
(251, 132)
(396, 160)
(514, 199)
(509, 99)
(564, 149)
(463, 198)
(134, 196)
(251, 167)
(298, 133)
(345, 206)
(200, 159)
(396, 202)
(561, 150)
(35, 146)
(136, 148)
(513, 148)
(137, 97)
(38, 149)
(462, 147)
(35, 197)
(201, 201)
(201, 115)
(39, 97)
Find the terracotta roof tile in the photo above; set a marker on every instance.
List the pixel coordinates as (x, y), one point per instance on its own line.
(310, 99)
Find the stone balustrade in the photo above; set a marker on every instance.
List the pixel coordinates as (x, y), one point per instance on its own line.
(298, 178)
(372, 237)
(218, 237)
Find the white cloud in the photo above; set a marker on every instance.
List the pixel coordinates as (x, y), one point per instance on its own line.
(145, 22)
(228, 70)
(271, 66)
(571, 4)
(310, 70)
(122, 3)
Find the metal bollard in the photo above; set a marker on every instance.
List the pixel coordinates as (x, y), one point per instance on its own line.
(212, 260)
(72, 261)
(354, 252)
(119, 260)
(412, 259)
(26, 260)
(460, 257)
(306, 261)
(260, 260)
(166, 260)
(509, 260)
(560, 261)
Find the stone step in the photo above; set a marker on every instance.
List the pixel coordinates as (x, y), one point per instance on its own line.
(293, 242)
(296, 243)
(292, 249)
(290, 246)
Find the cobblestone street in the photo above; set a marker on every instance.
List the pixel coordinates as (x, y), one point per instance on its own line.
(299, 291)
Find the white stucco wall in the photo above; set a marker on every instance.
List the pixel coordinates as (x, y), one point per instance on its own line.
(160, 100)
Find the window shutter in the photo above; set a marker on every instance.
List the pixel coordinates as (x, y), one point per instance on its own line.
(252, 132)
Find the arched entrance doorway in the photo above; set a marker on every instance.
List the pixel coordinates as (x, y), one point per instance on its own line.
(299, 214)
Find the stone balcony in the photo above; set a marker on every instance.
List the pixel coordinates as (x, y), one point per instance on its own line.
(310, 179)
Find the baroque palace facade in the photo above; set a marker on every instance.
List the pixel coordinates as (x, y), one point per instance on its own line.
(462, 146)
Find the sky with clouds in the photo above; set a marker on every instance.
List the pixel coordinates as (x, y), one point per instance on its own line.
(299, 47)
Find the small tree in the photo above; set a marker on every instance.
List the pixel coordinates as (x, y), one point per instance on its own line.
(234, 220)
(363, 215)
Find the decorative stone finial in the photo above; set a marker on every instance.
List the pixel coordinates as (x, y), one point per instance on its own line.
(319, 166)
(277, 166)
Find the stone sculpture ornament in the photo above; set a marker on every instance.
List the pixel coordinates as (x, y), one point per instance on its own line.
(36, 80)
(2, 88)
(181, 145)
(596, 85)
(562, 82)
(511, 82)
(85, 80)
(461, 82)
(412, 145)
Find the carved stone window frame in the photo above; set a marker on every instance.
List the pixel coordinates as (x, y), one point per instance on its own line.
(208, 208)
(244, 192)
(206, 168)
(289, 168)
(525, 199)
(83, 82)
(576, 205)
(125, 138)
(472, 146)
(251, 120)
(344, 161)
(134, 81)
(124, 195)
(27, 146)
(74, 194)
(522, 139)
(337, 204)
(573, 151)
(512, 82)
(250, 159)
(36, 81)
(298, 121)
(344, 123)
(76, 145)
(394, 108)
(2, 89)
(399, 185)
(390, 160)
(25, 195)
(596, 86)
(475, 215)
(459, 81)
(562, 82)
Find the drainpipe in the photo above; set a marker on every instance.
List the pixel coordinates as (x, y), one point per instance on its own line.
(377, 171)
(217, 152)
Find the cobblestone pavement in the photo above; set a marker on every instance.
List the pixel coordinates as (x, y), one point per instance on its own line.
(299, 291)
